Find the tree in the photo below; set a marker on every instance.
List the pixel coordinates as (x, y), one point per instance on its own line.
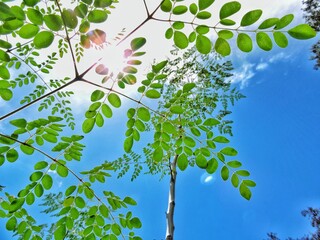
(36, 27)
(312, 17)
(314, 215)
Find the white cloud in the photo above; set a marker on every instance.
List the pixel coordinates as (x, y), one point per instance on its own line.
(262, 66)
(243, 74)
(280, 57)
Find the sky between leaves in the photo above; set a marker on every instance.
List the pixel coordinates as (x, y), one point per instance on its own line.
(276, 133)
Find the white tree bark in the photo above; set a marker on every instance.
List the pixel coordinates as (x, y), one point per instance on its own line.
(171, 200)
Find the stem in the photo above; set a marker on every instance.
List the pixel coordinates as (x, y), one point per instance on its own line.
(149, 17)
(36, 100)
(69, 42)
(172, 199)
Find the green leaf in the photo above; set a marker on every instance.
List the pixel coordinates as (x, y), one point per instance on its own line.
(129, 79)
(244, 42)
(176, 109)
(60, 232)
(43, 39)
(221, 139)
(62, 171)
(31, 3)
(234, 164)
(97, 16)
(38, 190)
(178, 10)
(229, 151)
(6, 94)
(106, 110)
(166, 6)
(30, 198)
(81, 10)
(203, 44)
(114, 100)
(138, 43)
(182, 162)
(280, 39)
(229, 9)
(70, 190)
(225, 34)
(243, 173)
(235, 180)
(249, 183)
(4, 56)
(88, 125)
(264, 41)
(180, 40)
(16, 204)
(227, 22)
(116, 229)
(158, 154)
(202, 29)
(250, 17)
(222, 47)
(28, 31)
(11, 224)
(224, 173)
(211, 122)
(40, 165)
(20, 123)
(204, 15)
(245, 191)
(136, 223)
(26, 149)
(53, 22)
(34, 177)
(12, 155)
(13, 24)
(70, 18)
(128, 143)
(152, 93)
(169, 33)
(268, 23)
(47, 181)
(188, 87)
(203, 4)
(80, 203)
(193, 8)
(284, 21)
(5, 12)
(212, 166)
(4, 74)
(5, 44)
(158, 67)
(144, 114)
(35, 16)
(302, 32)
(130, 201)
(168, 127)
(201, 161)
(97, 95)
(189, 141)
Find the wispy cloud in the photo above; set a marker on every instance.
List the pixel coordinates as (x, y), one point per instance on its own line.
(243, 74)
(262, 66)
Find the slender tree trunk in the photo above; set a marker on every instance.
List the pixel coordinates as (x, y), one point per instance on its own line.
(171, 200)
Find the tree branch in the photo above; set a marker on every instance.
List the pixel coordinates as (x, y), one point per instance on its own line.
(36, 100)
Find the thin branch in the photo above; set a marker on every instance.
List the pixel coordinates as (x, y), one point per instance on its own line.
(149, 17)
(86, 71)
(36, 100)
(146, 7)
(69, 42)
(16, 47)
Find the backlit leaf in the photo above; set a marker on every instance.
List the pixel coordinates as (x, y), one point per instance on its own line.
(43, 39)
(264, 41)
(250, 17)
(280, 39)
(244, 42)
(203, 44)
(229, 9)
(114, 100)
(180, 40)
(302, 32)
(203, 4)
(222, 47)
(137, 43)
(229, 151)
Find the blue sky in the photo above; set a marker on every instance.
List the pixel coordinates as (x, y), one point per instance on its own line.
(276, 133)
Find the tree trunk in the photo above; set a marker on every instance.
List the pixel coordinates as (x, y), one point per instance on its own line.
(171, 200)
